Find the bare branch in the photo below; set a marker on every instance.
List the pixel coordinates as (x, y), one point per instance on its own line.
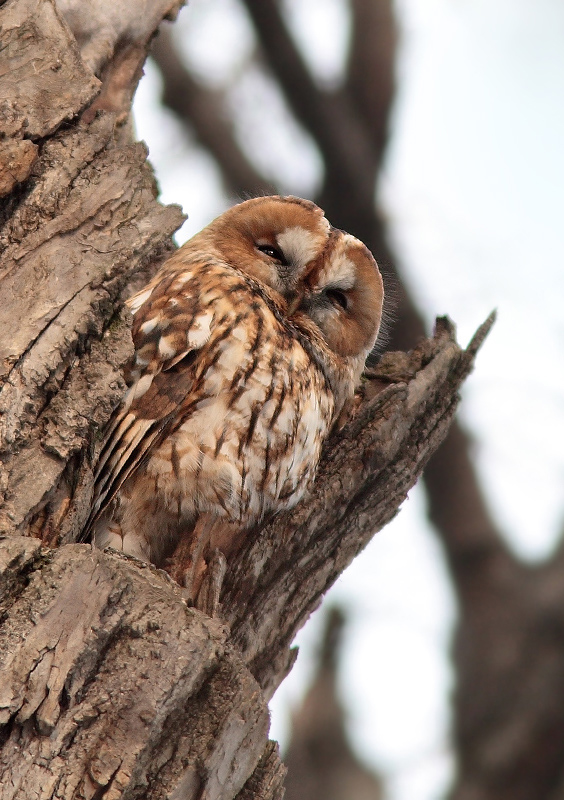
(321, 762)
(371, 67)
(204, 112)
(329, 117)
(508, 726)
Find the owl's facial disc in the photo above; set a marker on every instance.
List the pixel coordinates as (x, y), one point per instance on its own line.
(321, 272)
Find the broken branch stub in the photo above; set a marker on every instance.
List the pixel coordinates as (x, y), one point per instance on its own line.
(366, 471)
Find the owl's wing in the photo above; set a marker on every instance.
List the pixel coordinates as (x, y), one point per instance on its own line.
(171, 325)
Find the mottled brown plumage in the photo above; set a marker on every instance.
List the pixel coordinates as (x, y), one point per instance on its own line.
(248, 343)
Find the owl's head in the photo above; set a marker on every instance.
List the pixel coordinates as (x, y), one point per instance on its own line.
(322, 275)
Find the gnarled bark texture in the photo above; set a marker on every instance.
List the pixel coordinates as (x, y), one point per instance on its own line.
(110, 685)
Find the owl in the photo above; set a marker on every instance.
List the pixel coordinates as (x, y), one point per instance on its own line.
(249, 343)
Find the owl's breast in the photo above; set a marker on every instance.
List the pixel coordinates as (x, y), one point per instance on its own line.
(258, 414)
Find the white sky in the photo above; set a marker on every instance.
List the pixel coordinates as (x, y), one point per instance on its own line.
(474, 191)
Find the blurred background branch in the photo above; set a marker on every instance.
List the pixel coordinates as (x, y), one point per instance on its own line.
(321, 762)
(203, 111)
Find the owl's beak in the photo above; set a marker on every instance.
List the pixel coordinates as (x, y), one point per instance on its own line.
(295, 300)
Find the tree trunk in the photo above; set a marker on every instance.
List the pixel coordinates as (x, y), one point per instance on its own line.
(111, 686)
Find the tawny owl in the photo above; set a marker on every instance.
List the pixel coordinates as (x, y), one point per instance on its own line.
(248, 343)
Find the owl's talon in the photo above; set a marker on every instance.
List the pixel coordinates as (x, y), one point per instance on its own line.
(210, 590)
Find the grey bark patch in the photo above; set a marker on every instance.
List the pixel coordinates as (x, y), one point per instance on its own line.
(44, 80)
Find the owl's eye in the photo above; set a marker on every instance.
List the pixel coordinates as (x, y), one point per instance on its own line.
(273, 252)
(338, 298)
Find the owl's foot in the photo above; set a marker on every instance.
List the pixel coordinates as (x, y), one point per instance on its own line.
(200, 560)
(212, 581)
(188, 565)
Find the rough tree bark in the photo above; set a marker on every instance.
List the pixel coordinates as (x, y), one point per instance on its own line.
(110, 685)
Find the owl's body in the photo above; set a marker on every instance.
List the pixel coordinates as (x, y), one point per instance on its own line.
(246, 350)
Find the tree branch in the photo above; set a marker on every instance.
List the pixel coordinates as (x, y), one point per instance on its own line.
(320, 758)
(364, 476)
(371, 68)
(328, 116)
(114, 684)
(204, 112)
